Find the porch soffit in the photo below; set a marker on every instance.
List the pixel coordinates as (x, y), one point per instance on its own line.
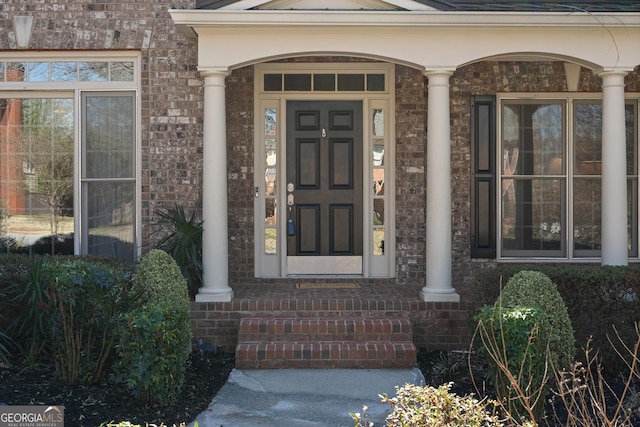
(424, 40)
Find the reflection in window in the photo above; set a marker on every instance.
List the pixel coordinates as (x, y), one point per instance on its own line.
(94, 71)
(110, 215)
(270, 241)
(64, 71)
(538, 189)
(378, 122)
(533, 206)
(378, 241)
(270, 122)
(122, 71)
(36, 181)
(16, 71)
(270, 182)
(38, 71)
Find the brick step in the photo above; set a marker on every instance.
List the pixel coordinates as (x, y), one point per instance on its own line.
(335, 355)
(284, 342)
(269, 329)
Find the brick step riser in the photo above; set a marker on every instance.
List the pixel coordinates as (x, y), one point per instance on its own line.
(325, 355)
(270, 325)
(326, 337)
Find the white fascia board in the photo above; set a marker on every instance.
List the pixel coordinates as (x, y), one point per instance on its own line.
(219, 17)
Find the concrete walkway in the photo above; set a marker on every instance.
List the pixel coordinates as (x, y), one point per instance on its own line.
(303, 397)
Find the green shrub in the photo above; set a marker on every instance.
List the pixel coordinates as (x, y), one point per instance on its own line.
(514, 343)
(598, 298)
(159, 280)
(428, 406)
(84, 303)
(535, 289)
(155, 338)
(151, 354)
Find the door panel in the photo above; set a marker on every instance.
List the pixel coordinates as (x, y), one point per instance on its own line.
(324, 166)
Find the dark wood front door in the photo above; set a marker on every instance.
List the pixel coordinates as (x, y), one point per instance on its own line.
(324, 178)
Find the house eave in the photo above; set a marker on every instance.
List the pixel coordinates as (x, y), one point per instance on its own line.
(200, 18)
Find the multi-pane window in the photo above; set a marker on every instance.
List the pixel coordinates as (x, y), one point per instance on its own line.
(36, 175)
(68, 157)
(550, 177)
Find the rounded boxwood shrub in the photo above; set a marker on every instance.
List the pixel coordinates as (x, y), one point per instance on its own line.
(535, 289)
(158, 279)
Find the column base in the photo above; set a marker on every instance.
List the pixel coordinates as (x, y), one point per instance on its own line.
(218, 295)
(448, 295)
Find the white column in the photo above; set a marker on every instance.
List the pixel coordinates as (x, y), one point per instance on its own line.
(614, 170)
(215, 243)
(438, 239)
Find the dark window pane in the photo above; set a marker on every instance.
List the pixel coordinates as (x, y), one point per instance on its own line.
(273, 82)
(110, 136)
(375, 82)
(300, 82)
(350, 82)
(324, 82)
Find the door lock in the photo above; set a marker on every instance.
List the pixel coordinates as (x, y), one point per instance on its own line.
(324, 133)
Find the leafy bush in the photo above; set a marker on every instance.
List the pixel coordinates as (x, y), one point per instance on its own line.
(155, 338)
(151, 353)
(598, 298)
(514, 342)
(535, 289)
(84, 303)
(428, 406)
(183, 242)
(158, 279)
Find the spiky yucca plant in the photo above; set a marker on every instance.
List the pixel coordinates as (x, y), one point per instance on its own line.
(183, 241)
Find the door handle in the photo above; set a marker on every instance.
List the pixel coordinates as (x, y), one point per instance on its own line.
(290, 200)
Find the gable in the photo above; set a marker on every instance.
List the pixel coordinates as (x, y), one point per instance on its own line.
(442, 5)
(312, 5)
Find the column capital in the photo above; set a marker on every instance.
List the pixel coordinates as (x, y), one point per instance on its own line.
(439, 72)
(213, 76)
(612, 72)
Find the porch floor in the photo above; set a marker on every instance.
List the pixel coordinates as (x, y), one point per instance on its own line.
(388, 293)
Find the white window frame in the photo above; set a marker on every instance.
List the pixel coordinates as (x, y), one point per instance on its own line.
(74, 90)
(273, 266)
(568, 100)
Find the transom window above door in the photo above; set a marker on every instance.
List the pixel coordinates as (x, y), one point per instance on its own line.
(324, 82)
